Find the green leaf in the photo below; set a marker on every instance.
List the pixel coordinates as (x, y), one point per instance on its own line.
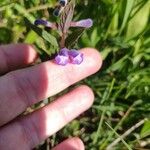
(120, 64)
(73, 38)
(139, 22)
(4, 38)
(23, 12)
(5, 4)
(31, 37)
(113, 27)
(108, 2)
(42, 33)
(146, 129)
(129, 6)
(123, 141)
(95, 38)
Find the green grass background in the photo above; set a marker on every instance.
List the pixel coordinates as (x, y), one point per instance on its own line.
(121, 32)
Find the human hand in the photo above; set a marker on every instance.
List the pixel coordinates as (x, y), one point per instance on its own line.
(21, 88)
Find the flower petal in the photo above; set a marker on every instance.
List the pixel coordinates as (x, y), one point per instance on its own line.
(73, 53)
(45, 23)
(86, 23)
(75, 57)
(64, 52)
(42, 22)
(61, 60)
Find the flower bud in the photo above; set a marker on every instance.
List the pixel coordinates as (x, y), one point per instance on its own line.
(63, 2)
(62, 58)
(58, 10)
(45, 23)
(86, 23)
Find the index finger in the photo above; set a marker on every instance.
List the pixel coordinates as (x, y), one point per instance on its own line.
(31, 85)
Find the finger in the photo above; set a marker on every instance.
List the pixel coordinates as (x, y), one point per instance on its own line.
(70, 144)
(15, 56)
(34, 128)
(31, 85)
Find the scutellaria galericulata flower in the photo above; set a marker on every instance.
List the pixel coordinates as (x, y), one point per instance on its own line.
(65, 10)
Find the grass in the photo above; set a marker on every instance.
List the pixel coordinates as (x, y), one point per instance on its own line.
(122, 88)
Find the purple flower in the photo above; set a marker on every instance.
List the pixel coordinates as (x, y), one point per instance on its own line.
(75, 57)
(64, 52)
(45, 23)
(86, 23)
(42, 22)
(62, 58)
(65, 56)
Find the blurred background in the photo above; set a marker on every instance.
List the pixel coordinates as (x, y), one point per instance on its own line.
(120, 116)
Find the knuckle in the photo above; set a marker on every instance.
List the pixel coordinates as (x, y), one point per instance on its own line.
(23, 87)
(32, 138)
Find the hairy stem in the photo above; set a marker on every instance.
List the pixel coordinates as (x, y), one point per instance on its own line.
(62, 42)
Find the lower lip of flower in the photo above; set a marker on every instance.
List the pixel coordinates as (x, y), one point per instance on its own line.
(77, 60)
(61, 60)
(76, 57)
(66, 56)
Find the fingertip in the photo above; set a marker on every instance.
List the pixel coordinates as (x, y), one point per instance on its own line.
(93, 58)
(79, 143)
(86, 91)
(74, 143)
(28, 50)
(15, 56)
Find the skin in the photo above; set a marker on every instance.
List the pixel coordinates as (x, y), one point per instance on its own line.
(22, 85)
